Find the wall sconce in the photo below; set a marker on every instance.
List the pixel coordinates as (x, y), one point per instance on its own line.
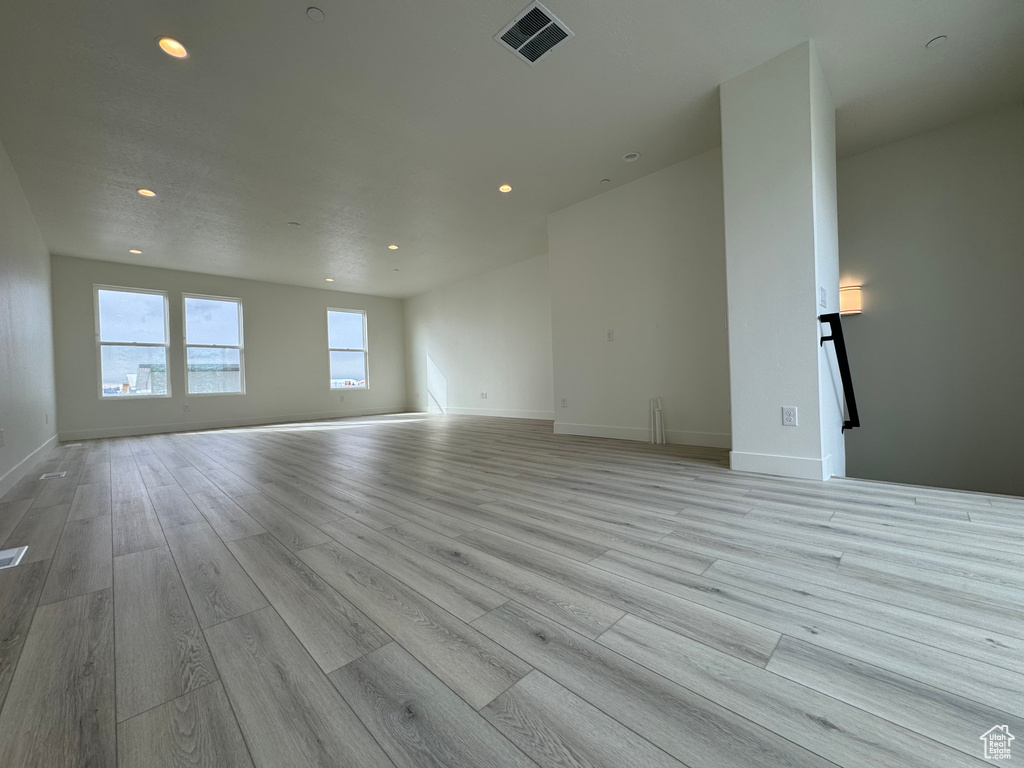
(850, 301)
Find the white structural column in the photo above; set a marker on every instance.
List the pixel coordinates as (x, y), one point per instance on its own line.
(782, 264)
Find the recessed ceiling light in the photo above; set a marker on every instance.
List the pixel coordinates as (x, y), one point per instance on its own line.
(136, 251)
(935, 41)
(172, 47)
(328, 279)
(606, 181)
(506, 188)
(315, 14)
(294, 224)
(396, 270)
(146, 192)
(393, 247)
(631, 157)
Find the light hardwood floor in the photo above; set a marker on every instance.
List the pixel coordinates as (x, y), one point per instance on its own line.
(460, 591)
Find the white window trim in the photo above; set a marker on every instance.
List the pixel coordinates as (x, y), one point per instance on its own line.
(100, 344)
(187, 346)
(365, 349)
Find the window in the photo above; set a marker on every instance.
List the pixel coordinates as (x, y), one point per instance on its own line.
(346, 339)
(214, 356)
(131, 333)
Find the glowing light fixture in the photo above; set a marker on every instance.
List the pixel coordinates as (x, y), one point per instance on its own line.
(850, 300)
(146, 192)
(135, 251)
(505, 188)
(172, 47)
(393, 247)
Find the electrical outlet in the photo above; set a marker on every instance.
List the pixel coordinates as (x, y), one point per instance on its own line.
(565, 402)
(789, 416)
(341, 398)
(483, 395)
(823, 301)
(47, 418)
(184, 408)
(1, 438)
(611, 336)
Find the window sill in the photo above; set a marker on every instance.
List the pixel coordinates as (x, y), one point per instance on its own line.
(115, 398)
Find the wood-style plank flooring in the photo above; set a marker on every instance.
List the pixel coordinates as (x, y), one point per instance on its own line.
(461, 591)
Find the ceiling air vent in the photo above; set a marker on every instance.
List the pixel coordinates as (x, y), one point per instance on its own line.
(533, 33)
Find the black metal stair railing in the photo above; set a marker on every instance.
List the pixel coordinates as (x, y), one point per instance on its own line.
(836, 337)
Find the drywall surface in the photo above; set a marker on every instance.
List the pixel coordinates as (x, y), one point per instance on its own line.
(644, 262)
(286, 359)
(826, 268)
(777, 141)
(27, 402)
(933, 227)
(488, 334)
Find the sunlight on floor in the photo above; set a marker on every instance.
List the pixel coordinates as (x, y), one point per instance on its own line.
(323, 426)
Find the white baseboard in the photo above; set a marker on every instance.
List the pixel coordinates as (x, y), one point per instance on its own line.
(503, 413)
(674, 436)
(783, 466)
(194, 426)
(15, 473)
(831, 468)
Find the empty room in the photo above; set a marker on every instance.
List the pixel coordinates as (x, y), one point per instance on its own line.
(475, 384)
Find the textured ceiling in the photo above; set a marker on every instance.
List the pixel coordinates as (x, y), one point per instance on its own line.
(396, 121)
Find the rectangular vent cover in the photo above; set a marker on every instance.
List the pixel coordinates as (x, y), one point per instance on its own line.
(52, 475)
(533, 33)
(11, 557)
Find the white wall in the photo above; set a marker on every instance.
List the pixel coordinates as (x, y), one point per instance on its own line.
(826, 268)
(286, 361)
(646, 261)
(27, 401)
(490, 334)
(933, 227)
(778, 141)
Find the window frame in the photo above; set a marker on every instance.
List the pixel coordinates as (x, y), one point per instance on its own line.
(100, 343)
(365, 349)
(186, 346)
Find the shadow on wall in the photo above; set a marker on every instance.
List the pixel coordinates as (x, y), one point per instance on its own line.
(437, 389)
